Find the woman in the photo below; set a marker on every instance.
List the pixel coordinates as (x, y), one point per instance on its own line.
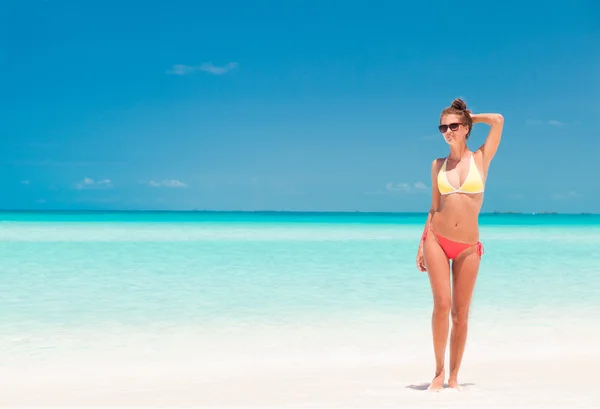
(451, 231)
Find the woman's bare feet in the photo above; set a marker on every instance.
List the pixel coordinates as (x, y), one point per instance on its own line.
(438, 383)
(453, 383)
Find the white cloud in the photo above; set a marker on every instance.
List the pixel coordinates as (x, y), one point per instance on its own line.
(566, 196)
(405, 187)
(402, 187)
(181, 69)
(88, 183)
(25, 182)
(213, 69)
(167, 183)
(552, 122)
(397, 187)
(420, 186)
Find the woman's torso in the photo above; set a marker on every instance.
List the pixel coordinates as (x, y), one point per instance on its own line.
(461, 185)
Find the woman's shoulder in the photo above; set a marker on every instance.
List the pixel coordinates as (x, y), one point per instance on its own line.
(437, 163)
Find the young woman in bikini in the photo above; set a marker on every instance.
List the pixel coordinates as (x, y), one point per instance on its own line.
(452, 233)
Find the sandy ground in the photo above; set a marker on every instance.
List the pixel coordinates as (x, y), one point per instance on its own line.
(530, 383)
(516, 365)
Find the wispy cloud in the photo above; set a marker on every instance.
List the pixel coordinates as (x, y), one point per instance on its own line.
(566, 196)
(89, 183)
(402, 187)
(551, 122)
(25, 182)
(420, 186)
(181, 69)
(405, 187)
(167, 183)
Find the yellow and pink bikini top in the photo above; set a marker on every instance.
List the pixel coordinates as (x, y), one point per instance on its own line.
(473, 184)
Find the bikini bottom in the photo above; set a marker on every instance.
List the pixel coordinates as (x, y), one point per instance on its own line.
(452, 248)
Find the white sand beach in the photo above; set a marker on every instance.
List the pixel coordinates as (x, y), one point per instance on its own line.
(309, 367)
(522, 383)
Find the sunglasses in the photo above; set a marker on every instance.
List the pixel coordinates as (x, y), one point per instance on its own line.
(453, 127)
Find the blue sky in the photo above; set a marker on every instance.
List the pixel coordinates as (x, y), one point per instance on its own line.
(329, 106)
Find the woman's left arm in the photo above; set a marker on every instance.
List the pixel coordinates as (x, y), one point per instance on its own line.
(496, 123)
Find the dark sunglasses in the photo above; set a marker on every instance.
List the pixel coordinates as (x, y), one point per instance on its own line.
(453, 127)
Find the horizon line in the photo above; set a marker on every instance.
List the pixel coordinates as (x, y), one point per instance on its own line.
(495, 212)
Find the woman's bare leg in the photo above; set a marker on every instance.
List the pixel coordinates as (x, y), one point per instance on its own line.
(464, 274)
(438, 269)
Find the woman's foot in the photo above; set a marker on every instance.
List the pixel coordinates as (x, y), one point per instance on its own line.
(438, 383)
(453, 383)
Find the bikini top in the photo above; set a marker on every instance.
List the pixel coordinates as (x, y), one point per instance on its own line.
(473, 184)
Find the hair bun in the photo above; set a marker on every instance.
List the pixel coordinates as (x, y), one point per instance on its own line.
(459, 104)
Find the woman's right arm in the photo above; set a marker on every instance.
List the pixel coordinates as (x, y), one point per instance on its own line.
(435, 201)
(435, 193)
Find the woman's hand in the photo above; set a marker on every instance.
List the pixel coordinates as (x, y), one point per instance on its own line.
(420, 259)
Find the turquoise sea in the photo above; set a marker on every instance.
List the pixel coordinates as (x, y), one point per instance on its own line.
(83, 268)
(209, 286)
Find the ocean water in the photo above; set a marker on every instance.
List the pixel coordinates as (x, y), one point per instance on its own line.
(216, 287)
